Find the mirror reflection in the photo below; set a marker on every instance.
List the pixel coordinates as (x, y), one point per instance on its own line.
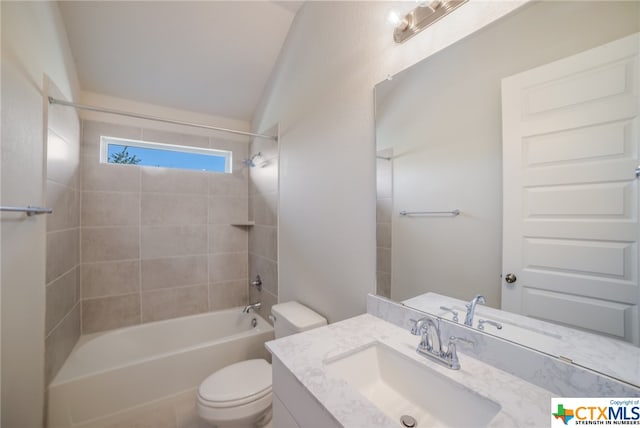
(506, 169)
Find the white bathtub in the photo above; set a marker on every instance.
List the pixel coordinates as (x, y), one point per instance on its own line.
(111, 372)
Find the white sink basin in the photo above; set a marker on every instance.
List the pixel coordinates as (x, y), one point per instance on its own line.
(399, 386)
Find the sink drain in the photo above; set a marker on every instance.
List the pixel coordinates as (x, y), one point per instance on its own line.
(408, 421)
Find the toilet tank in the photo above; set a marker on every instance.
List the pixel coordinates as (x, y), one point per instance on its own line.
(292, 317)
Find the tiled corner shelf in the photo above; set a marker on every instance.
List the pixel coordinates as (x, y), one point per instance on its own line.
(243, 223)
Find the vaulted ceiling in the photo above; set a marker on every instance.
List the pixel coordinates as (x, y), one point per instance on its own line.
(211, 57)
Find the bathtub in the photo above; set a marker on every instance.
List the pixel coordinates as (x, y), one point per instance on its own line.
(110, 372)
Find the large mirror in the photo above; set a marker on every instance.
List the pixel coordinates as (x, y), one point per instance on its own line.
(554, 241)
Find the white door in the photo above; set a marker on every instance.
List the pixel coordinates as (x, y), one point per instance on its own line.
(570, 226)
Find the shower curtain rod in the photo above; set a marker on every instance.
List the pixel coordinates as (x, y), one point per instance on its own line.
(157, 119)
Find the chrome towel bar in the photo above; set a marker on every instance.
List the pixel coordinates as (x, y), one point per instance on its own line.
(427, 213)
(28, 209)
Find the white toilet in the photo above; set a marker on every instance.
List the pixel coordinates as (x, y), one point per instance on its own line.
(239, 395)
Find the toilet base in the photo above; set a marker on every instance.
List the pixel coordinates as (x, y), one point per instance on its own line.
(253, 415)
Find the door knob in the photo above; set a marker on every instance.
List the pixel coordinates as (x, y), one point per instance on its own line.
(510, 278)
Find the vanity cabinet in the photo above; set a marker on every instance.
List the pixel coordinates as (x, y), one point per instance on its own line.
(293, 404)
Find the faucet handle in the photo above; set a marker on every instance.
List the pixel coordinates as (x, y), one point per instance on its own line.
(418, 325)
(452, 354)
(482, 322)
(455, 313)
(454, 339)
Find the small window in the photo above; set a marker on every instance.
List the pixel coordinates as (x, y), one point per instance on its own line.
(144, 153)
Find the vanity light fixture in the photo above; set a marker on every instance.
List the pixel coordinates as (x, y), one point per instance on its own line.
(423, 16)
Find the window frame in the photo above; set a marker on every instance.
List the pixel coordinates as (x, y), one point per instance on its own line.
(105, 141)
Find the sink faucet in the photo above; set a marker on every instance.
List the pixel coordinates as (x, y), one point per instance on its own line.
(471, 309)
(431, 344)
(250, 306)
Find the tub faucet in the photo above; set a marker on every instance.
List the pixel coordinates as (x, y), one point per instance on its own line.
(254, 306)
(471, 309)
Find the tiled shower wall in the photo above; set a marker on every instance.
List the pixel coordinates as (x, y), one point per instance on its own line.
(62, 317)
(384, 206)
(263, 237)
(158, 243)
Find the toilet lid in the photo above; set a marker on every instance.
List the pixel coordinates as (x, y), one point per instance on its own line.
(240, 382)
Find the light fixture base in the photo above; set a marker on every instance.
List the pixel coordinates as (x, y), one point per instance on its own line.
(423, 16)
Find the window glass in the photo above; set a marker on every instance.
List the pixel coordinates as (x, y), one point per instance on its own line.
(144, 153)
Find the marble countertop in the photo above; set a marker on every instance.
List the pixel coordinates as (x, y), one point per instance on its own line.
(305, 355)
(605, 355)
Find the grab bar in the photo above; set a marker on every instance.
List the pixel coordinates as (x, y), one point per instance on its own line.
(28, 209)
(412, 213)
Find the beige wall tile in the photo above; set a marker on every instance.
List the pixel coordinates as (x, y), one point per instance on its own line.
(110, 209)
(110, 278)
(60, 342)
(264, 209)
(236, 184)
(383, 260)
(174, 180)
(228, 239)
(168, 241)
(174, 272)
(383, 235)
(268, 271)
(106, 313)
(228, 209)
(383, 284)
(156, 136)
(228, 294)
(173, 209)
(63, 252)
(384, 179)
(383, 210)
(110, 243)
(62, 296)
(109, 177)
(239, 149)
(263, 241)
(173, 302)
(184, 243)
(65, 202)
(267, 300)
(228, 267)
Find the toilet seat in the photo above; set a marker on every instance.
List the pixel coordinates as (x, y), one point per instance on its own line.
(236, 385)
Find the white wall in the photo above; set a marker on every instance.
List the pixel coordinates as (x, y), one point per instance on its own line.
(33, 44)
(321, 94)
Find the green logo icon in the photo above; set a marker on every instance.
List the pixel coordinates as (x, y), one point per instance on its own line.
(565, 414)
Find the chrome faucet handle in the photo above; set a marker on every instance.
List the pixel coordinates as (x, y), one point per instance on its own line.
(419, 328)
(453, 339)
(452, 355)
(455, 313)
(481, 324)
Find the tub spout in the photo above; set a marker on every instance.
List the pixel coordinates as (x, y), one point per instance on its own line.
(254, 306)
